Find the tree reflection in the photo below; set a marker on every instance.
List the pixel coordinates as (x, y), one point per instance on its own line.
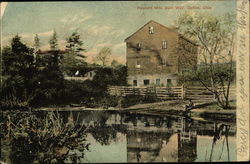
(105, 133)
(218, 130)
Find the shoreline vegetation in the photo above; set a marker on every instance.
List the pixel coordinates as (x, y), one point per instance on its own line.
(174, 108)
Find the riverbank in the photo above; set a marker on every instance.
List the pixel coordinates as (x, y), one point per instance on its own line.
(174, 108)
(201, 111)
(75, 109)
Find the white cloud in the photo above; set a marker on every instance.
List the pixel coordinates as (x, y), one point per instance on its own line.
(26, 35)
(47, 33)
(83, 19)
(117, 32)
(118, 51)
(98, 29)
(119, 46)
(77, 18)
(106, 44)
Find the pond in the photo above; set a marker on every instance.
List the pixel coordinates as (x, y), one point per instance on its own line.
(112, 136)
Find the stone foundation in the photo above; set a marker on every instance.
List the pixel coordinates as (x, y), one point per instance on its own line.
(156, 79)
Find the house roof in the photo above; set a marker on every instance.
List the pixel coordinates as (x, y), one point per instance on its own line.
(180, 35)
(49, 51)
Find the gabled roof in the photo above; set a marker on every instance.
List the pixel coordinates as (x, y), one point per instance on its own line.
(180, 35)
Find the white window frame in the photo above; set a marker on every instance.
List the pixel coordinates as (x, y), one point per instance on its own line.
(151, 29)
(138, 64)
(164, 44)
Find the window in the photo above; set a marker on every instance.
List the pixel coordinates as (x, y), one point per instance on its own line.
(134, 82)
(138, 46)
(138, 64)
(169, 82)
(90, 74)
(151, 29)
(164, 61)
(164, 44)
(146, 82)
(158, 81)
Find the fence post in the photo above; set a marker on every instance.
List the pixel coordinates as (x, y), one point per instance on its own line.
(182, 91)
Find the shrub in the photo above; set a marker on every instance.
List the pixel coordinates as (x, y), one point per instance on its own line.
(43, 139)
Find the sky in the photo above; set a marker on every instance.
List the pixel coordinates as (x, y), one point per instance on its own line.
(100, 24)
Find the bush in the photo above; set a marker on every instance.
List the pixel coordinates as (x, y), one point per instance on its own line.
(130, 100)
(43, 139)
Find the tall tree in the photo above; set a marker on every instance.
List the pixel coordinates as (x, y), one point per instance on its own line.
(36, 46)
(53, 42)
(215, 37)
(18, 70)
(74, 44)
(104, 55)
(74, 59)
(37, 43)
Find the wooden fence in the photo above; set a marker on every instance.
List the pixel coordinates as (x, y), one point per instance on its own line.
(196, 93)
(159, 92)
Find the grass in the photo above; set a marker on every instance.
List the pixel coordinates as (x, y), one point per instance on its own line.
(214, 106)
(214, 112)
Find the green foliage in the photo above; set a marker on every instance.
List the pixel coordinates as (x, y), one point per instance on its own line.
(43, 138)
(34, 83)
(37, 43)
(26, 82)
(18, 70)
(70, 65)
(74, 44)
(130, 100)
(73, 60)
(48, 82)
(220, 73)
(93, 93)
(108, 76)
(53, 42)
(216, 38)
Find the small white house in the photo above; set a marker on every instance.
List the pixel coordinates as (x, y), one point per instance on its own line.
(87, 76)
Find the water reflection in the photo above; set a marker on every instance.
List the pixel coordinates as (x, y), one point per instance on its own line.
(124, 137)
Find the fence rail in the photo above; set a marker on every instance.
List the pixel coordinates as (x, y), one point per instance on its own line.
(177, 92)
(160, 92)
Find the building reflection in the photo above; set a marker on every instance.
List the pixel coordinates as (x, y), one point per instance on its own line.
(187, 142)
(155, 138)
(161, 140)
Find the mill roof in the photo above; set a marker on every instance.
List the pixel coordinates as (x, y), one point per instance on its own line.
(180, 35)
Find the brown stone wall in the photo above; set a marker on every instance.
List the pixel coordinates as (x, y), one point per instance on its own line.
(151, 55)
(151, 61)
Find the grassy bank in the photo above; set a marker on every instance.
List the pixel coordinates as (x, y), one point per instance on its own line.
(207, 111)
